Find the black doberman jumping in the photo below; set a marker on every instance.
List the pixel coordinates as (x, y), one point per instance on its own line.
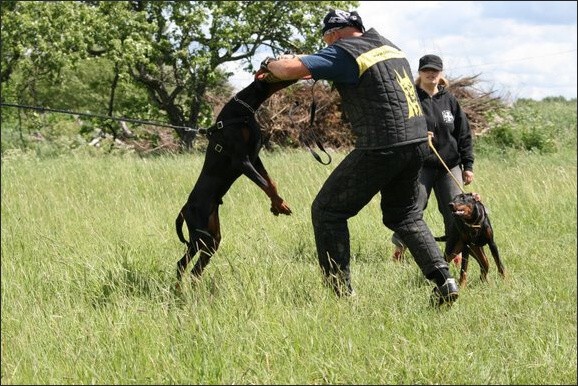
(233, 150)
(474, 232)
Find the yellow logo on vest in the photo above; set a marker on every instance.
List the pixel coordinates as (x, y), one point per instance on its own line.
(369, 58)
(409, 90)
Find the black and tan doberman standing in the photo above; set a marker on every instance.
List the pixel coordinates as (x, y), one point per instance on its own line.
(474, 232)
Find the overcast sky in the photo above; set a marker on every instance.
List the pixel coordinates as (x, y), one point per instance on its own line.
(522, 49)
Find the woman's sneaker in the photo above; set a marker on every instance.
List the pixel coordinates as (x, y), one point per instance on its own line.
(445, 294)
(458, 260)
(398, 253)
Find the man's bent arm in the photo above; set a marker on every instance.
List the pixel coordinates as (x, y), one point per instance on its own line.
(287, 69)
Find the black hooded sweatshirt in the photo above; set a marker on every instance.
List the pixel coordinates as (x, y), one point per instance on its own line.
(452, 134)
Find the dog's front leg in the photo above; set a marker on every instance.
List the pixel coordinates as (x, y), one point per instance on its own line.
(482, 259)
(266, 183)
(496, 255)
(464, 267)
(278, 204)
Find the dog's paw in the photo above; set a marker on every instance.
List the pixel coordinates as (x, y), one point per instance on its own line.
(279, 206)
(284, 209)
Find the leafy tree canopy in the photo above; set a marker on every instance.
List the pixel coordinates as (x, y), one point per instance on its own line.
(172, 49)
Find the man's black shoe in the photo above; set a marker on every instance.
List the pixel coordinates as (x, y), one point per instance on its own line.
(445, 294)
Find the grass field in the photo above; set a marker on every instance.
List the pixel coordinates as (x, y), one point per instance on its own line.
(88, 262)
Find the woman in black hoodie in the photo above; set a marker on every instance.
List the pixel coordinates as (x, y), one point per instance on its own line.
(452, 139)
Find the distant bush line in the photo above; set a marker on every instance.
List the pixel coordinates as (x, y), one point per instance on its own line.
(544, 126)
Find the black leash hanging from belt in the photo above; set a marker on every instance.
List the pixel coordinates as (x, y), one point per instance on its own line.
(318, 143)
(131, 120)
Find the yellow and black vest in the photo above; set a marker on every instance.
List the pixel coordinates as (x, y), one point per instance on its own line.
(383, 107)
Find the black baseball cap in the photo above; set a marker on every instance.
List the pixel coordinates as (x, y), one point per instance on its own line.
(431, 61)
(337, 18)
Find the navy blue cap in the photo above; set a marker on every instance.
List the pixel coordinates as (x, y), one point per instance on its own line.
(337, 18)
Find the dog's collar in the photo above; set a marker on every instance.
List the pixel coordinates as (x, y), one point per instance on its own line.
(479, 219)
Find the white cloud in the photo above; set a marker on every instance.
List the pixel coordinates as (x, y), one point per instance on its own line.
(520, 49)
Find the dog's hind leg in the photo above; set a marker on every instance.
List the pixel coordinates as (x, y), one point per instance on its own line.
(203, 243)
(207, 242)
(183, 262)
(207, 246)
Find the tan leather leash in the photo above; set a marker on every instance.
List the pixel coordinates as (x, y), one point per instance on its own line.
(430, 142)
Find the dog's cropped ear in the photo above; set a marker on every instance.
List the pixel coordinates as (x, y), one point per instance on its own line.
(476, 197)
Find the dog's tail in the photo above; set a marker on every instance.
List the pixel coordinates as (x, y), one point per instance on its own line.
(179, 226)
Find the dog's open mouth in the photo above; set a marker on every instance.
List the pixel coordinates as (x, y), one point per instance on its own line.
(459, 213)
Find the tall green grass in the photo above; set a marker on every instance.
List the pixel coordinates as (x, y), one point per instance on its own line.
(88, 265)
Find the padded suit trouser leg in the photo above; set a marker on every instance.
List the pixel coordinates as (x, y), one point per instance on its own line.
(354, 182)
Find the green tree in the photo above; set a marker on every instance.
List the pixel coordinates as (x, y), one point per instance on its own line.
(174, 49)
(40, 38)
